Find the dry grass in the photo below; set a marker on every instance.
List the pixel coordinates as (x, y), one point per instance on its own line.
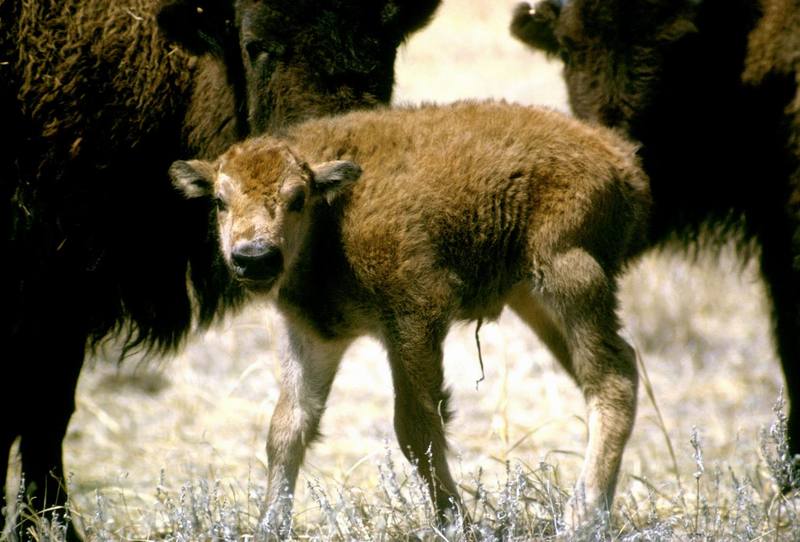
(151, 444)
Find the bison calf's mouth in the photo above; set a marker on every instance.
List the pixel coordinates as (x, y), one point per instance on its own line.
(256, 261)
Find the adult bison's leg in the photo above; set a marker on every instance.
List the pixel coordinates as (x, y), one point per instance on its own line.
(581, 294)
(421, 412)
(308, 369)
(54, 346)
(782, 276)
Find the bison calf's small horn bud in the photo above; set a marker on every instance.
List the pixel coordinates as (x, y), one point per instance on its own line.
(450, 213)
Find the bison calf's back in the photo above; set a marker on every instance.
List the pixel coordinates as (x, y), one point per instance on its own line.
(397, 222)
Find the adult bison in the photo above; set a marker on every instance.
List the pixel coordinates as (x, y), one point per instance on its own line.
(710, 89)
(96, 105)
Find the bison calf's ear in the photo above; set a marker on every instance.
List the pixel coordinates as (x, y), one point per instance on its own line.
(331, 178)
(536, 26)
(194, 178)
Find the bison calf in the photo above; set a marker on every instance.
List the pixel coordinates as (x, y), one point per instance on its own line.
(396, 223)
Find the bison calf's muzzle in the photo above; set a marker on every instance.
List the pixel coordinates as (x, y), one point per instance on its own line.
(256, 260)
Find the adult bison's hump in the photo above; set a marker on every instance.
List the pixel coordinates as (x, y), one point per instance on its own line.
(94, 100)
(94, 103)
(95, 70)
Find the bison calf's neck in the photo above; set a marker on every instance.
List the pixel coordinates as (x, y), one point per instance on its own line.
(398, 222)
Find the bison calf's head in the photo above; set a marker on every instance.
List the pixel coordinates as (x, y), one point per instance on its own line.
(265, 199)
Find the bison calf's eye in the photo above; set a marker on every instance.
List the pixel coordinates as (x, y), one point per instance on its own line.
(297, 201)
(294, 197)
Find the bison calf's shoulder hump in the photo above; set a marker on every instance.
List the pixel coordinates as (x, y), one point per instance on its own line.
(397, 222)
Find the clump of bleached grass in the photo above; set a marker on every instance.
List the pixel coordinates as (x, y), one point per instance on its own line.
(725, 503)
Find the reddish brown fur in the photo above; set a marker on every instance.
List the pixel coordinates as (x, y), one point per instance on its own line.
(460, 210)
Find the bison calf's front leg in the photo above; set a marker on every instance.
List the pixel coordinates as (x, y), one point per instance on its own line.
(309, 365)
(421, 406)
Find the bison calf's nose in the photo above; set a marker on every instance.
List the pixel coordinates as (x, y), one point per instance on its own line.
(256, 260)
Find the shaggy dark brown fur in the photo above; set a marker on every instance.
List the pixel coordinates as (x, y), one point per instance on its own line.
(303, 58)
(95, 105)
(711, 89)
(460, 210)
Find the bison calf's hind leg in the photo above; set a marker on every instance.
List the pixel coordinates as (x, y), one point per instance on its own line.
(308, 369)
(421, 404)
(582, 298)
